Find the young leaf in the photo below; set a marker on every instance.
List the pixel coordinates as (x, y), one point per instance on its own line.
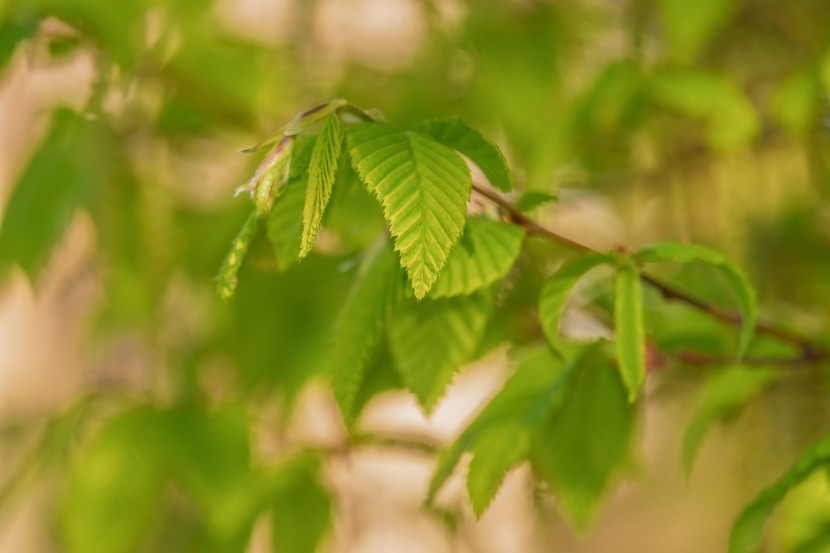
(499, 450)
(321, 175)
(376, 291)
(532, 199)
(737, 279)
(726, 394)
(285, 222)
(456, 134)
(271, 175)
(68, 165)
(527, 398)
(586, 439)
(233, 261)
(423, 187)
(747, 532)
(630, 333)
(431, 339)
(554, 295)
(485, 255)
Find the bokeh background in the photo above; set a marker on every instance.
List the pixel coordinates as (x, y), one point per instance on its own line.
(700, 121)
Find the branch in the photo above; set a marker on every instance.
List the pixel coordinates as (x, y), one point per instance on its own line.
(810, 351)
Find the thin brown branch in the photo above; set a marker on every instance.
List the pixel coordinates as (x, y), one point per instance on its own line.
(810, 351)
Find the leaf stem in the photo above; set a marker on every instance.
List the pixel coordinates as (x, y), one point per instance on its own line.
(810, 351)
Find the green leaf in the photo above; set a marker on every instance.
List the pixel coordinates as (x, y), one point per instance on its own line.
(70, 164)
(233, 261)
(747, 532)
(586, 439)
(796, 101)
(114, 486)
(527, 398)
(302, 511)
(499, 449)
(737, 279)
(431, 339)
(725, 395)
(456, 134)
(630, 336)
(554, 295)
(732, 121)
(376, 291)
(485, 255)
(285, 222)
(322, 172)
(533, 199)
(690, 26)
(423, 187)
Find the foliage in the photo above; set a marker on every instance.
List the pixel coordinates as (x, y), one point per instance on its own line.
(385, 250)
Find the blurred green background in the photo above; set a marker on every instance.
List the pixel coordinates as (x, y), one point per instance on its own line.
(140, 413)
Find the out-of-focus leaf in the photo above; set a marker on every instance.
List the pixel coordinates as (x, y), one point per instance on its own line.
(285, 222)
(115, 486)
(230, 267)
(322, 173)
(301, 507)
(735, 276)
(485, 255)
(732, 121)
(71, 163)
(423, 187)
(527, 398)
(533, 199)
(456, 134)
(747, 531)
(117, 27)
(376, 291)
(431, 339)
(629, 330)
(691, 26)
(585, 441)
(500, 449)
(796, 100)
(726, 394)
(554, 295)
(16, 25)
(282, 323)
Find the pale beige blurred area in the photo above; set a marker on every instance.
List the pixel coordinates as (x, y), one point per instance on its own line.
(45, 360)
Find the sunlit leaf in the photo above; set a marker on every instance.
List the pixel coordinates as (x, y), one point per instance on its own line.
(456, 134)
(485, 255)
(424, 188)
(322, 172)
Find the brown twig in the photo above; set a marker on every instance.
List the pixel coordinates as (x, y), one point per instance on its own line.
(810, 352)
